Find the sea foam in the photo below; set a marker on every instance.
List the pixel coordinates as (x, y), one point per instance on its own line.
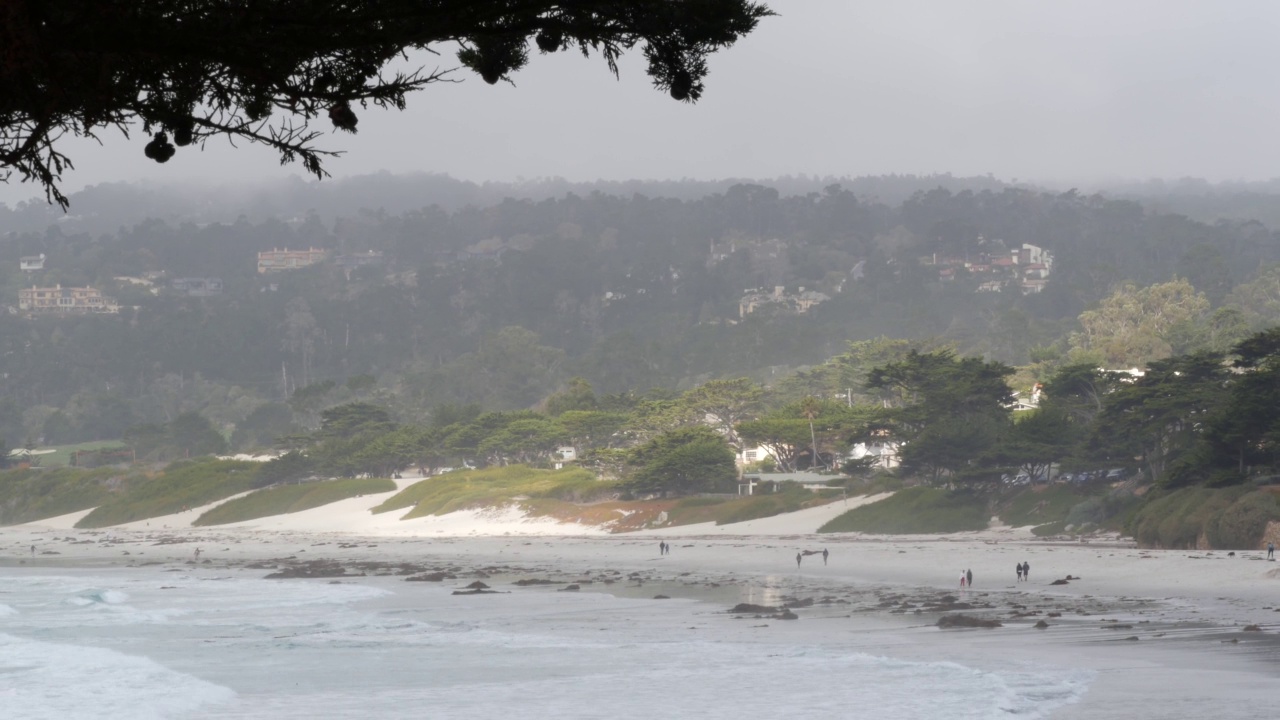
(60, 682)
(136, 644)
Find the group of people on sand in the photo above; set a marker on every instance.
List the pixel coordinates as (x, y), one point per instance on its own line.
(800, 557)
(664, 548)
(1024, 574)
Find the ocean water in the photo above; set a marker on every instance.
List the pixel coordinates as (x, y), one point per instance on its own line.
(141, 643)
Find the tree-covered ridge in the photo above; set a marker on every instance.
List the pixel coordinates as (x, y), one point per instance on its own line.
(1204, 420)
(1209, 418)
(501, 306)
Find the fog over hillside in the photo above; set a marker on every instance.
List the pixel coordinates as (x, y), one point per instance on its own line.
(109, 206)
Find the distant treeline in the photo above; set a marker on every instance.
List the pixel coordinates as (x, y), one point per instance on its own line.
(501, 305)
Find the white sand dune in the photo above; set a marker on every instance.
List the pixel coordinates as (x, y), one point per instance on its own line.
(353, 516)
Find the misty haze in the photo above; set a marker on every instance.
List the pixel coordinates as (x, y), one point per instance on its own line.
(751, 380)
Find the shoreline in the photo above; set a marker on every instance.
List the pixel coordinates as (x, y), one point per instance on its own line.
(1207, 588)
(1185, 609)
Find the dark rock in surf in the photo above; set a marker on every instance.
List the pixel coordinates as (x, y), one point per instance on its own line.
(967, 621)
(749, 608)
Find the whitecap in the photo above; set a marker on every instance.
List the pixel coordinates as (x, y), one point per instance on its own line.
(61, 681)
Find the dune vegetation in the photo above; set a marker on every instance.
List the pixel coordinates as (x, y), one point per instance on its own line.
(789, 499)
(916, 510)
(1232, 518)
(285, 499)
(495, 487)
(180, 486)
(1040, 504)
(28, 495)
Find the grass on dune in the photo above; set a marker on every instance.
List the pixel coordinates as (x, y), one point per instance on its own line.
(1223, 518)
(29, 495)
(185, 484)
(917, 510)
(286, 499)
(492, 487)
(725, 511)
(1040, 504)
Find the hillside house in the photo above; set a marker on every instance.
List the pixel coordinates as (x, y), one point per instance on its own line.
(883, 454)
(31, 263)
(58, 300)
(798, 303)
(197, 287)
(564, 454)
(1027, 267)
(278, 260)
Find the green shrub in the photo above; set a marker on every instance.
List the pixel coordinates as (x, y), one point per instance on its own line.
(725, 510)
(1088, 511)
(1242, 525)
(1038, 504)
(1106, 510)
(185, 484)
(693, 502)
(30, 495)
(916, 510)
(491, 487)
(286, 499)
(1227, 518)
(880, 482)
(763, 506)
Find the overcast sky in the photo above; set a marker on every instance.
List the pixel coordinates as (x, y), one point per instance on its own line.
(1069, 91)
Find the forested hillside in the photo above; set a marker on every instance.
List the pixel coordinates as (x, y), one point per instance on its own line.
(500, 305)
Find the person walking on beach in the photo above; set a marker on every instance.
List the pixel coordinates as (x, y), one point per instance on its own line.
(1026, 572)
(662, 547)
(798, 556)
(968, 575)
(962, 579)
(1271, 551)
(33, 551)
(824, 556)
(1019, 572)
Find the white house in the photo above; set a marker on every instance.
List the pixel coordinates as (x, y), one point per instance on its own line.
(884, 452)
(564, 454)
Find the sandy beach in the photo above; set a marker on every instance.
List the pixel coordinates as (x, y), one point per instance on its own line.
(1196, 629)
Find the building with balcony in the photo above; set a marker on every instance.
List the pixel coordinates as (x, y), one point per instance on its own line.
(278, 260)
(58, 300)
